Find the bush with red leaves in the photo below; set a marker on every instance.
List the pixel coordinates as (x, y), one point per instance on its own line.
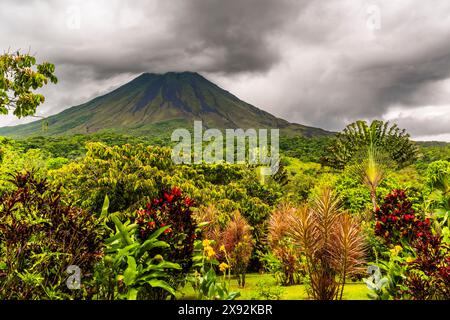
(40, 237)
(428, 275)
(171, 208)
(396, 221)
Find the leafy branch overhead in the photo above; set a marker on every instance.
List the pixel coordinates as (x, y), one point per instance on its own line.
(20, 76)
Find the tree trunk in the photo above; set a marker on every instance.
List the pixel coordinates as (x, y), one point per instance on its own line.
(373, 196)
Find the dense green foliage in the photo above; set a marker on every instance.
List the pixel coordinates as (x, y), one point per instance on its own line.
(97, 209)
(133, 269)
(150, 198)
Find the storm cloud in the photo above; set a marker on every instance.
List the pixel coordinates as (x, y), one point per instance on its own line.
(319, 63)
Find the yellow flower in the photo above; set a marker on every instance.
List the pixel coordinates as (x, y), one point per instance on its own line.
(396, 250)
(205, 243)
(209, 251)
(223, 266)
(410, 259)
(222, 248)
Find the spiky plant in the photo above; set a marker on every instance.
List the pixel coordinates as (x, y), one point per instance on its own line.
(281, 245)
(348, 251)
(234, 242)
(331, 243)
(238, 244)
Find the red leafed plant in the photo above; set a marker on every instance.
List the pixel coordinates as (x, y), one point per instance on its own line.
(40, 237)
(171, 208)
(428, 275)
(238, 243)
(397, 222)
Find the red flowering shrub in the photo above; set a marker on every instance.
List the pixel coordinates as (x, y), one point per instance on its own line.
(396, 220)
(174, 209)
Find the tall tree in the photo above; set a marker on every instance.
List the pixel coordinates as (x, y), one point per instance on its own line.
(20, 76)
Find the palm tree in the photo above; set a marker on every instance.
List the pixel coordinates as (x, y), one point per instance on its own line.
(370, 150)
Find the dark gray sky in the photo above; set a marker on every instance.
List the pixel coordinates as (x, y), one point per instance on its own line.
(319, 63)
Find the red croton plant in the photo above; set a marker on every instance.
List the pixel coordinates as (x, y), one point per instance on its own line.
(428, 275)
(396, 220)
(171, 208)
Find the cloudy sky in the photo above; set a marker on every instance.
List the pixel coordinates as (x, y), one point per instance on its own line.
(319, 63)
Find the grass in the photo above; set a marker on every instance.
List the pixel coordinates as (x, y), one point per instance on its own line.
(352, 290)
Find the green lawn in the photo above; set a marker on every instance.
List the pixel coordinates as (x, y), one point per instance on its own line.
(352, 291)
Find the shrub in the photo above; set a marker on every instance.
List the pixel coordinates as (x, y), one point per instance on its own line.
(134, 269)
(233, 240)
(282, 247)
(205, 281)
(130, 174)
(397, 222)
(427, 274)
(267, 291)
(171, 209)
(238, 244)
(331, 243)
(40, 237)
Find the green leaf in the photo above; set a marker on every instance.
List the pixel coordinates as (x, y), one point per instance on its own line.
(105, 207)
(151, 244)
(233, 295)
(132, 294)
(123, 231)
(162, 284)
(129, 275)
(163, 265)
(158, 232)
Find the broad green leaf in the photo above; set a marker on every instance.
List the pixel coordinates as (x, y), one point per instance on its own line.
(132, 294)
(130, 273)
(151, 244)
(162, 284)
